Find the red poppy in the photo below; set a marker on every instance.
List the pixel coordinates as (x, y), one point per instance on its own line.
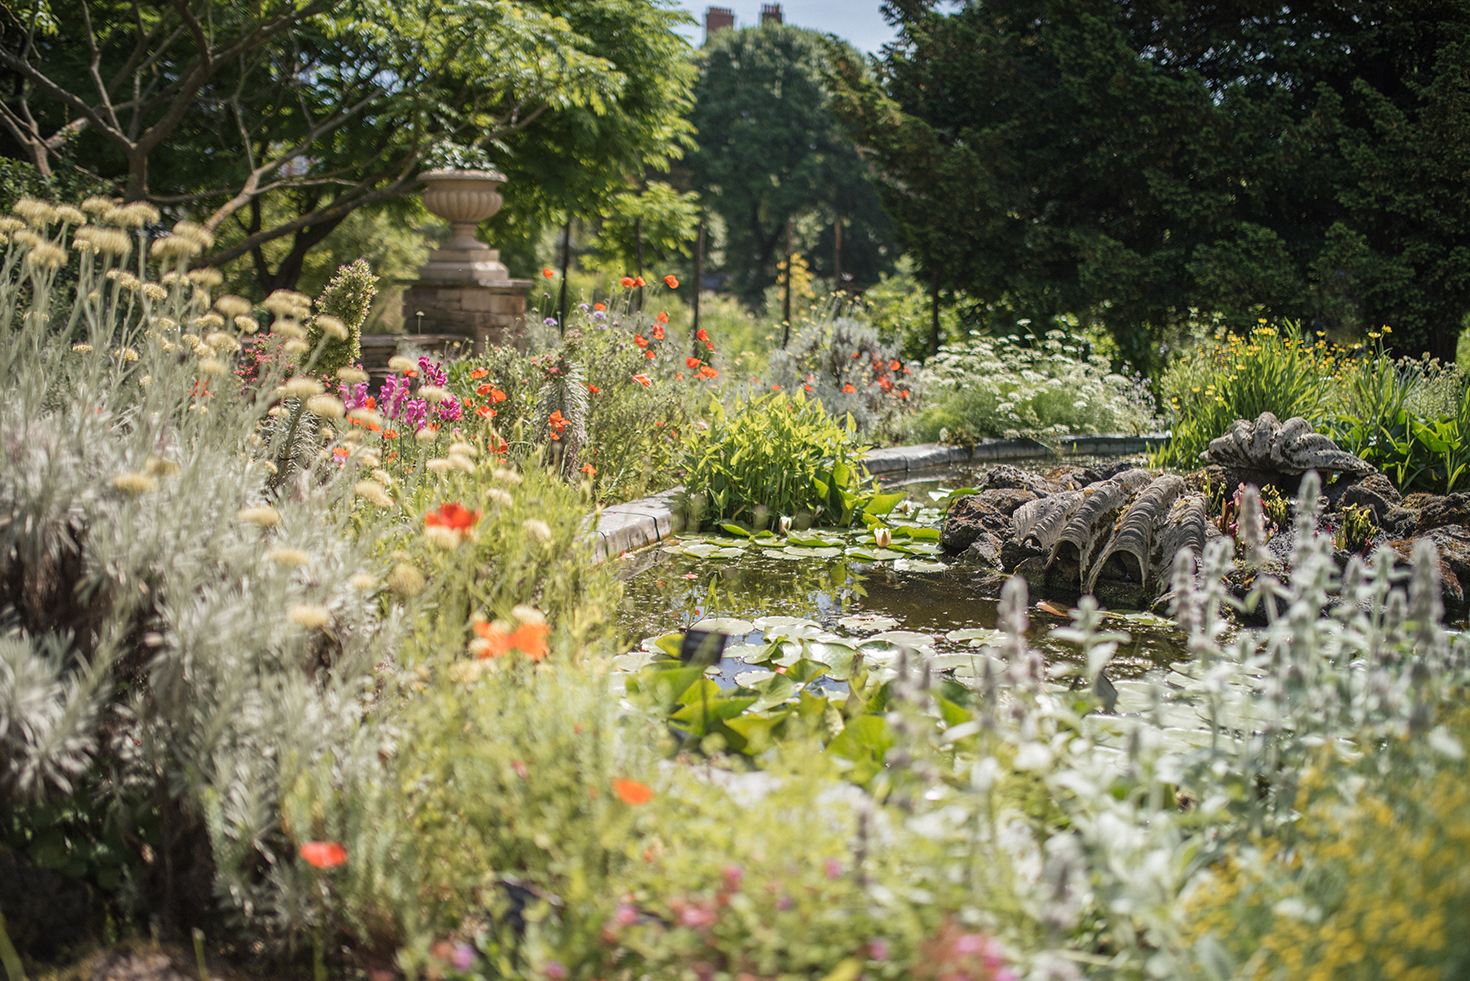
(642, 380)
(485, 412)
(497, 642)
(324, 854)
(671, 281)
(599, 306)
(638, 281)
(678, 376)
(371, 403)
(702, 335)
(658, 332)
(848, 388)
(775, 388)
(640, 340)
(631, 791)
(391, 434)
(547, 272)
(373, 427)
(662, 317)
(627, 282)
(485, 389)
(708, 346)
(593, 389)
(557, 421)
(692, 363)
(496, 395)
(894, 365)
(498, 445)
(658, 422)
(411, 373)
(708, 372)
(589, 469)
(807, 387)
(455, 517)
(342, 451)
(479, 373)
(904, 393)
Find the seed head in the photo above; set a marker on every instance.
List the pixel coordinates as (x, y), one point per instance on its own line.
(134, 482)
(300, 388)
(426, 435)
(266, 517)
(233, 306)
(82, 348)
(433, 394)
(352, 376)
(439, 465)
(462, 462)
(212, 366)
(366, 417)
(380, 475)
(372, 492)
(406, 581)
(463, 448)
(37, 214)
(527, 614)
(363, 581)
(155, 292)
(220, 341)
(332, 327)
(326, 406)
(500, 497)
(158, 466)
(46, 255)
(538, 530)
(399, 363)
(288, 556)
(310, 616)
(441, 537)
(506, 476)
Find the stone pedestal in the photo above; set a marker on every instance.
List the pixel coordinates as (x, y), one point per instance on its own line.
(464, 288)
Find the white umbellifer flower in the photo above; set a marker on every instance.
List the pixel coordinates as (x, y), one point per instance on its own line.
(288, 328)
(46, 255)
(233, 306)
(174, 247)
(220, 341)
(538, 530)
(286, 555)
(372, 492)
(68, 215)
(266, 517)
(207, 276)
(195, 233)
(287, 303)
(134, 482)
(82, 348)
(326, 406)
(38, 214)
(294, 347)
(310, 615)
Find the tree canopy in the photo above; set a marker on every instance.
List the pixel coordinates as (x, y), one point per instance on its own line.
(277, 119)
(771, 152)
(1140, 163)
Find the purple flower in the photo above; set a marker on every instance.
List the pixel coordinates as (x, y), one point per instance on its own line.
(355, 397)
(784, 903)
(391, 395)
(878, 949)
(625, 915)
(583, 307)
(432, 373)
(450, 409)
(599, 315)
(549, 321)
(834, 868)
(556, 971)
(464, 956)
(413, 414)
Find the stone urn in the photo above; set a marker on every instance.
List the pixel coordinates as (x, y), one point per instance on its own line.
(464, 290)
(464, 198)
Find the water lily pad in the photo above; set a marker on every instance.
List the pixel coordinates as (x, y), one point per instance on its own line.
(749, 679)
(632, 661)
(868, 622)
(767, 623)
(903, 638)
(749, 653)
(861, 554)
(884, 554)
(919, 565)
(972, 634)
(725, 625)
(923, 548)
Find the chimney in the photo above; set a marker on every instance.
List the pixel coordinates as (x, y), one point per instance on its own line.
(717, 19)
(771, 14)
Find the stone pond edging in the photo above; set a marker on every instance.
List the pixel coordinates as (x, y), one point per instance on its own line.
(649, 520)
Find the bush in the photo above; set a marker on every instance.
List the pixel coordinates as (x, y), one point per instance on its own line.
(762, 460)
(996, 387)
(840, 362)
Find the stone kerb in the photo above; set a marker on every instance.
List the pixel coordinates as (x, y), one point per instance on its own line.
(650, 520)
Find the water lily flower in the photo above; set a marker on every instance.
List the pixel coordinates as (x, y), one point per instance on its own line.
(883, 537)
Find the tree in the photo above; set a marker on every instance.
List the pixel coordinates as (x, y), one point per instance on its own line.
(771, 153)
(278, 119)
(1132, 163)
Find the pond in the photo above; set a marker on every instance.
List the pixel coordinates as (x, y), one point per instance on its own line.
(849, 590)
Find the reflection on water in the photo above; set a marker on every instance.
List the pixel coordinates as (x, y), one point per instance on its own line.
(668, 592)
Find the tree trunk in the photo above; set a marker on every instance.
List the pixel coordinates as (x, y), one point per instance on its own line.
(566, 260)
(934, 312)
(698, 283)
(837, 255)
(786, 300)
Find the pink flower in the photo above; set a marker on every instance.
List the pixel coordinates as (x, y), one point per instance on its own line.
(878, 950)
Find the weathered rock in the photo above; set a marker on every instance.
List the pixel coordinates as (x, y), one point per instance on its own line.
(1374, 492)
(976, 514)
(1088, 531)
(1127, 555)
(1399, 522)
(985, 550)
(1453, 544)
(1043, 520)
(1292, 447)
(1014, 551)
(1436, 512)
(1006, 476)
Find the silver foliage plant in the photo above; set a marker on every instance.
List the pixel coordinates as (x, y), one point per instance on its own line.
(1193, 761)
(173, 631)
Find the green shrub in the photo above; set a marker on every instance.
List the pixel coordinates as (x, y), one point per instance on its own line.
(996, 387)
(762, 460)
(347, 299)
(1228, 377)
(839, 361)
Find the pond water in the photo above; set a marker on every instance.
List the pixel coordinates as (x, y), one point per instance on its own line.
(845, 585)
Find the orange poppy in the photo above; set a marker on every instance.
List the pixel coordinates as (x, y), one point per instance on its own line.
(848, 388)
(807, 387)
(627, 282)
(775, 388)
(894, 365)
(671, 281)
(638, 281)
(530, 639)
(631, 791)
(692, 363)
(453, 516)
(678, 376)
(658, 332)
(497, 642)
(342, 451)
(498, 445)
(589, 469)
(593, 389)
(371, 403)
(547, 272)
(485, 412)
(557, 421)
(599, 306)
(640, 340)
(479, 373)
(650, 355)
(411, 373)
(662, 317)
(391, 434)
(708, 372)
(484, 389)
(324, 854)
(702, 335)
(708, 346)
(642, 380)
(373, 427)
(496, 395)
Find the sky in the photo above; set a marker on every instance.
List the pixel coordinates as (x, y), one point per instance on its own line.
(856, 21)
